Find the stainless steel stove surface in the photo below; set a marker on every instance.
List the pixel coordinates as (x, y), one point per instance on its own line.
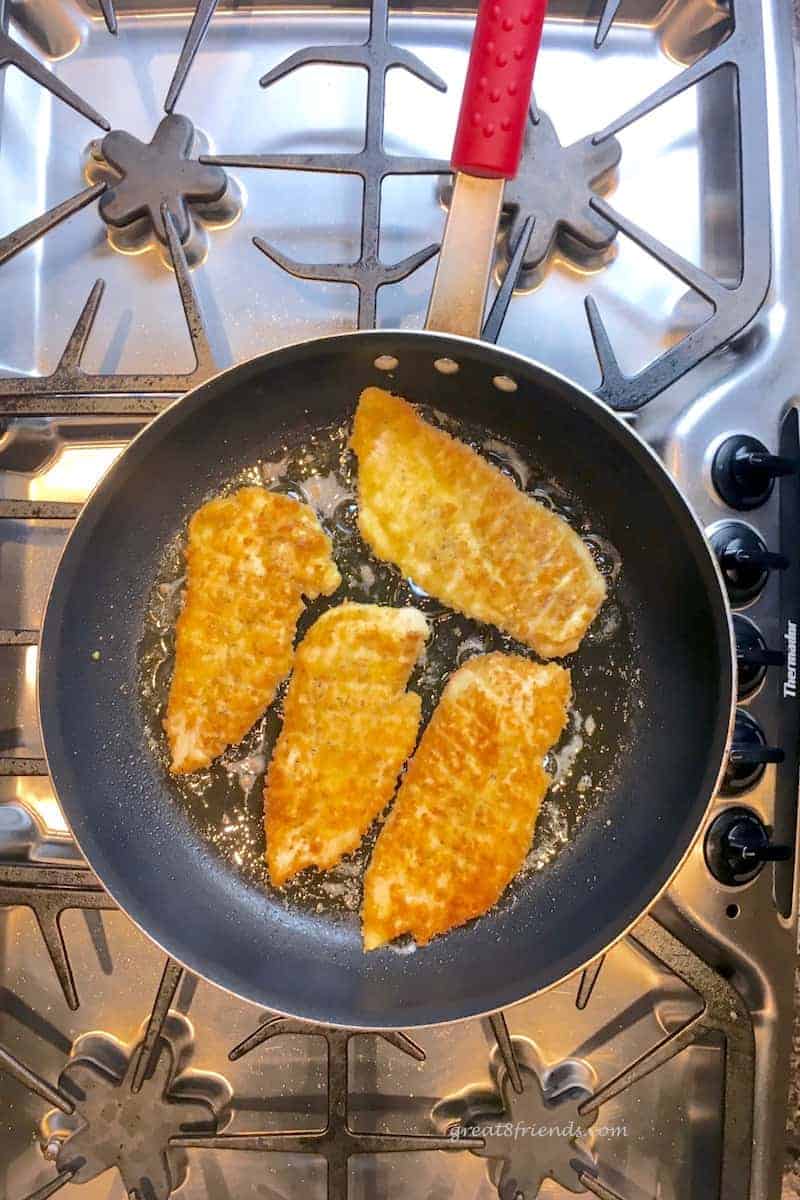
(654, 252)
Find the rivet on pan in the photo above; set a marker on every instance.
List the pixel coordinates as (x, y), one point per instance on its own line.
(504, 383)
(386, 362)
(446, 366)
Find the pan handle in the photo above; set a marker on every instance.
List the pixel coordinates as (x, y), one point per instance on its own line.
(486, 152)
(497, 89)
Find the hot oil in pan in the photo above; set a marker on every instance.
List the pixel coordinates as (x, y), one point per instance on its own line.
(225, 801)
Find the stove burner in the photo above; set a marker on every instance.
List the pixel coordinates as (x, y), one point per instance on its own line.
(143, 176)
(554, 185)
(115, 1125)
(531, 1132)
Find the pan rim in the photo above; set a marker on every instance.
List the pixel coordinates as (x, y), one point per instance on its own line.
(717, 597)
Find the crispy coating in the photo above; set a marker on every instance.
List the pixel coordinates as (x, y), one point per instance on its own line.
(464, 816)
(466, 534)
(251, 558)
(349, 726)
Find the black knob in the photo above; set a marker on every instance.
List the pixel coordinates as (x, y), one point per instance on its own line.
(752, 656)
(744, 560)
(744, 471)
(737, 846)
(748, 756)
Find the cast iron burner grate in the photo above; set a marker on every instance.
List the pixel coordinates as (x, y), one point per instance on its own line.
(516, 1067)
(372, 164)
(733, 304)
(69, 389)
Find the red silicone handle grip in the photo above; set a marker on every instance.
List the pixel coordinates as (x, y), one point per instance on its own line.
(497, 91)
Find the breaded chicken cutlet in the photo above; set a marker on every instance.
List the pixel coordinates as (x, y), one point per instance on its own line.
(349, 726)
(462, 530)
(464, 816)
(250, 560)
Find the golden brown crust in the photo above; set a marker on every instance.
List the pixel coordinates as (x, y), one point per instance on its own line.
(251, 557)
(465, 533)
(349, 726)
(464, 816)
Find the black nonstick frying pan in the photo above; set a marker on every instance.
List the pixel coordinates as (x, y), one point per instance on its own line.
(655, 677)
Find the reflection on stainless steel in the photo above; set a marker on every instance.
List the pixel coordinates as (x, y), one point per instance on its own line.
(680, 1034)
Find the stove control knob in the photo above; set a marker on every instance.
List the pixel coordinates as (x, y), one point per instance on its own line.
(744, 559)
(748, 756)
(744, 471)
(752, 656)
(737, 846)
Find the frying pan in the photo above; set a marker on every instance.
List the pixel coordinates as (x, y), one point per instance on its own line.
(658, 686)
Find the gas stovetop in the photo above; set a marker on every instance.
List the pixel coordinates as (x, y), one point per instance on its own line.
(165, 217)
